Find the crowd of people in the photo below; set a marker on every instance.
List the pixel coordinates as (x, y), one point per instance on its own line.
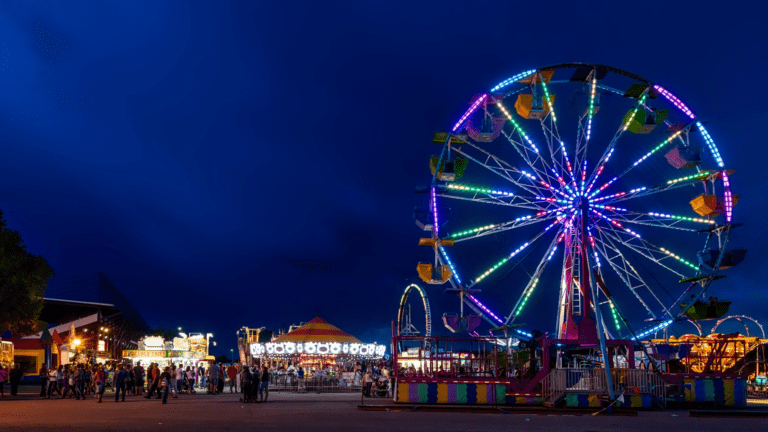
(80, 381)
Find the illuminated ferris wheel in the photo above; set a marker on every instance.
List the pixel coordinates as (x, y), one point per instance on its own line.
(604, 184)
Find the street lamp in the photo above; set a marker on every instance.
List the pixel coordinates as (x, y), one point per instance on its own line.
(231, 355)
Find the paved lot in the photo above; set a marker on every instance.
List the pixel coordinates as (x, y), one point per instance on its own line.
(316, 412)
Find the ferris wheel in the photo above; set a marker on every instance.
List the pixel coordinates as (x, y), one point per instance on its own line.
(587, 181)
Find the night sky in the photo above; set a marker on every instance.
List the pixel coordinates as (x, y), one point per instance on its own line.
(231, 164)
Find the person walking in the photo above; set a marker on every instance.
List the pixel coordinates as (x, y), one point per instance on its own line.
(79, 383)
(264, 388)
(232, 375)
(52, 382)
(100, 377)
(166, 376)
(43, 374)
(3, 379)
(121, 378)
(69, 383)
(155, 377)
(138, 375)
(14, 376)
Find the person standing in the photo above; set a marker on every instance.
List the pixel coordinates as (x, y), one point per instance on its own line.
(174, 391)
(245, 384)
(368, 382)
(232, 375)
(179, 378)
(100, 377)
(138, 375)
(121, 378)
(213, 374)
(264, 388)
(222, 375)
(300, 374)
(190, 380)
(255, 384)
(166, 376)
(14, 376)
(3, 379)
(43, 374)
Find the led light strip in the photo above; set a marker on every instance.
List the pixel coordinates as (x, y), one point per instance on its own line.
(653, 329)
(450, 264)
(615, 315)
(620, 194)
(682, 218)
(526, 296)
(482, 228)
(677, 257)
(500, 263)
(478, 189)
(690, 177)
(484, 308)
(517, 126)
(434, 210)
(591, 107)
(471, 109)
(675, 101)
(634, 111)
(667, 141)
(711, 143)
(513, 79)
(728, 197)
(549, 100)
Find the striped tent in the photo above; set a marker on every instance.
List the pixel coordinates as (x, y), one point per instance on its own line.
(317, 330)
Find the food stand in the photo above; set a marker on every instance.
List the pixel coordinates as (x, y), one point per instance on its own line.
(187, 351)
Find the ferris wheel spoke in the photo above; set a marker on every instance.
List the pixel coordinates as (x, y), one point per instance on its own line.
(516, 201)
(654, 219)
(515, 252)
(584, 130)
(612, 144)
(667, 186)
(637, 162)
(503, 169)
(625, 271)
(481, 231)
(525, 146)
(533, 282)
(657, 254)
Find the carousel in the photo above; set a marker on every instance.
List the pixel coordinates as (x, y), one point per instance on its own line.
(316, 346)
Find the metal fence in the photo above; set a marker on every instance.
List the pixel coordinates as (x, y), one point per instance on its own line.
(317, 384)
(594, 381)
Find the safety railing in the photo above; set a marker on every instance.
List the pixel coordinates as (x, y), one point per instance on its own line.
(594, 381)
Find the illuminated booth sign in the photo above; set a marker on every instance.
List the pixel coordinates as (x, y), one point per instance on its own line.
(282, 349)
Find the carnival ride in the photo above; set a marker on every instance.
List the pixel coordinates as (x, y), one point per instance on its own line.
(617, 212)
(405, 326)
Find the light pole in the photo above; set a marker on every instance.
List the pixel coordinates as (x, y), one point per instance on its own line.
(231, 355)
(208, 337)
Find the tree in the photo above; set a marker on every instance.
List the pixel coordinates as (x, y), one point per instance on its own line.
(23, 279)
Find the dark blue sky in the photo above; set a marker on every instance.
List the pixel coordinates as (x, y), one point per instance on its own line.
(228, 164)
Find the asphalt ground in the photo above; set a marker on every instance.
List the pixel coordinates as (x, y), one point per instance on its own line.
(319, 412)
